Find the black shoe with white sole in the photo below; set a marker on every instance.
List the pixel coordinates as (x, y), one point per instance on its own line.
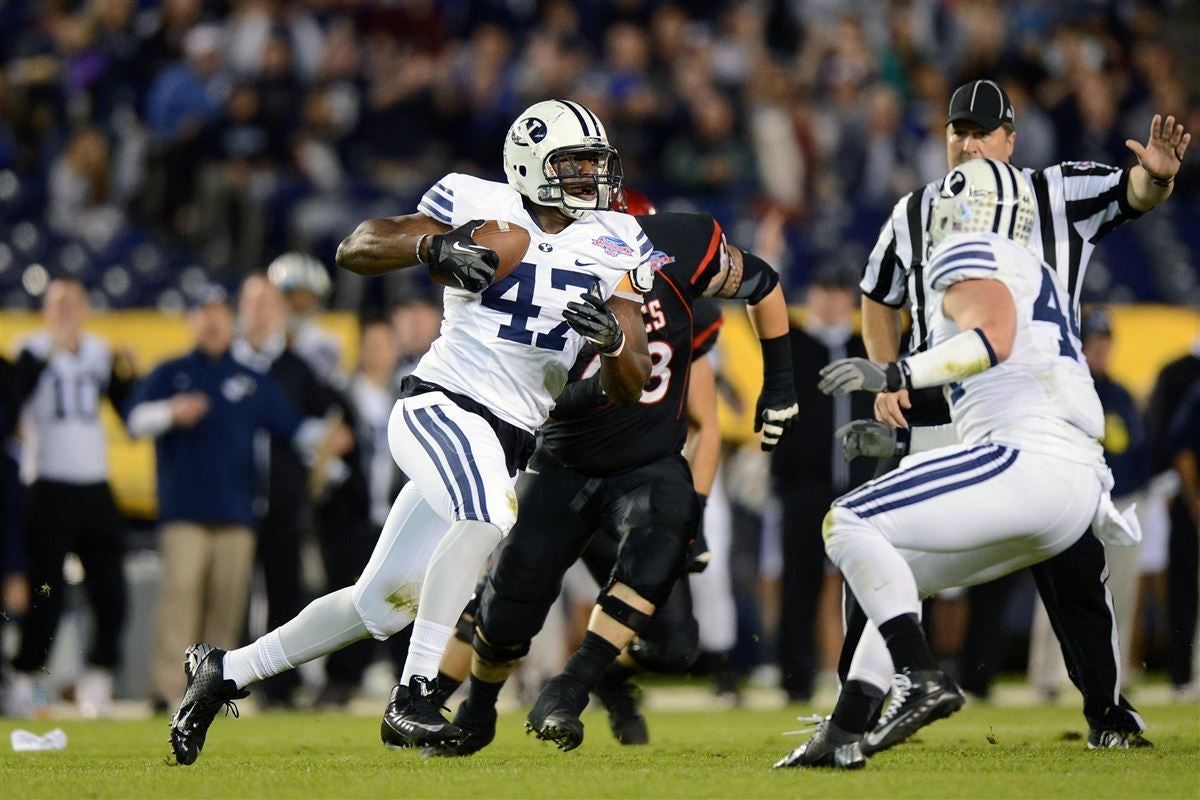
(414, 717)
(830, 746)
(621, 701)
(919, 697)
(207, 693)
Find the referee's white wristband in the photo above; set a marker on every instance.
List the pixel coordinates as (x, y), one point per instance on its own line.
(962, 356)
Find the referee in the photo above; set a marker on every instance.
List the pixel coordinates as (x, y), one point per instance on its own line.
(1078, 203)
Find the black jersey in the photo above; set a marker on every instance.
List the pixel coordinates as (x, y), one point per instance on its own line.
(608, 439)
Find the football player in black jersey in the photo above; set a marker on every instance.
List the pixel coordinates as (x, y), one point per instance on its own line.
(599, 467)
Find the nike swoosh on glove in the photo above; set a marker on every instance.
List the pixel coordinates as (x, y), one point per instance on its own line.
(847, 375)
(870, 439)
(456, 255)
(595, 321)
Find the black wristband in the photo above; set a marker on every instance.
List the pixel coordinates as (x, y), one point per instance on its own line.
(903, 441)
(703, 500)
(777, 360)
(1159, 180)
(896, 376)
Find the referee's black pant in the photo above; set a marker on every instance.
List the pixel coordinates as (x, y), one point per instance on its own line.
(63, 518)
(1078, 604)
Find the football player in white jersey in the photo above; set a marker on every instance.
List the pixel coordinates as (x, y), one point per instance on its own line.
(1024, 482)
(466, 416)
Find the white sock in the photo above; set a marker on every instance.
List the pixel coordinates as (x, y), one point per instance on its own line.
(449, 580)
(874, 569)
(326, 625)
(256, 661)
(425, 649)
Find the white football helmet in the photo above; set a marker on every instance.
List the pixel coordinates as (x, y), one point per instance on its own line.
(547, 153)
(983, 196)
(299, 272)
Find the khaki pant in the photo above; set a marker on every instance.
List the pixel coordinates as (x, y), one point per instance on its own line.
(205, 585)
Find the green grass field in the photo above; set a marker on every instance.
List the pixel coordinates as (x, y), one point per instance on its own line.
(981, 752)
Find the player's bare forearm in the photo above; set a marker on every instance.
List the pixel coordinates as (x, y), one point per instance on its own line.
(769, 316)
(986, 305)
(880, 330)
(624, 375)
(704, 442)
(383, 245)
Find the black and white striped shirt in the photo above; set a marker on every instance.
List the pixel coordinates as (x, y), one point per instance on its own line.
(1078, 203)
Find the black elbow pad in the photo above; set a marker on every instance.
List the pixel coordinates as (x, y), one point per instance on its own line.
(758, 279)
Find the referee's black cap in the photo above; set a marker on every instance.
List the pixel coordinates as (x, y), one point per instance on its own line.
(981, 102)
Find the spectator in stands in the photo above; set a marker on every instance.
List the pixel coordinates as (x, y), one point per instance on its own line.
(809, 472)
(82, 199)
(68, 506)
(203, 410)
(416, 323)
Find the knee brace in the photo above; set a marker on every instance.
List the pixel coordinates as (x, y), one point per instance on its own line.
(464, 629)
(673, 655)
(498, 654)
(621, 611)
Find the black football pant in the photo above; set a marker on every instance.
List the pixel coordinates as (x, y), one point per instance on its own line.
(803, 508)
(1071, 586)
(670, 642)
(651, 511)
(1183, 548)
(63, 518)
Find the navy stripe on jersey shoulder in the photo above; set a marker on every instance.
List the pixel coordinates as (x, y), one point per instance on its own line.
(430, 209)
(441, 187)
(976, 261)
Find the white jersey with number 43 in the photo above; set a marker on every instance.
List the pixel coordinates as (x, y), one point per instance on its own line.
(1041, 398)
(509, 347)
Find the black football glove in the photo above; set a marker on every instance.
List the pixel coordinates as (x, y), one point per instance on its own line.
(595, 321)
(456, 255)
(776, 412)
(861, 375)
(871, 439)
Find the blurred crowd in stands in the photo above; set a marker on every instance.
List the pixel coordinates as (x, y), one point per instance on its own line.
(147, 146)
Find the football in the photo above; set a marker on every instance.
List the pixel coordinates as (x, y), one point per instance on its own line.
(507, 239)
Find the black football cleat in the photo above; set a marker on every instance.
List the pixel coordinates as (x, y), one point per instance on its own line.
(413, 717)
(555, 714)
(1114, 739)
(207, 692)
(621, 700)
(830, 746)
(479, 727)
(919, 697)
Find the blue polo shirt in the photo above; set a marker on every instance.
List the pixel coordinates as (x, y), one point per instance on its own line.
(206, 473)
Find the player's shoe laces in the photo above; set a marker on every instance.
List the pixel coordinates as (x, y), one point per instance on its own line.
(207, 693)
(1113, 739)
(621, 700)
(830, 746)
(413, 717)
(919, 697)
(479, 727)
(555, 714)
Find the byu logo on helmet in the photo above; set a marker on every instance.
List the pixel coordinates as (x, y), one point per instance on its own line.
(530, 128)
(954, 183)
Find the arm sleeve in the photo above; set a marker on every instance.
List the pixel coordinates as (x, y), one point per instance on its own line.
(1096, 197)
(756, 281)
(884, 275)
(438, 201)
(578, 397)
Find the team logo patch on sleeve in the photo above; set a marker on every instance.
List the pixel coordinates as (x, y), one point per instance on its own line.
(612, 246)
(659, 259)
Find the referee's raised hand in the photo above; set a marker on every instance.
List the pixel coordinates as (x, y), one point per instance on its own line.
(1162, 155)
